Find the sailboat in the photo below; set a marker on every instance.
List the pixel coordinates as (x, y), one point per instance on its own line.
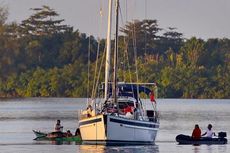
(121, 117)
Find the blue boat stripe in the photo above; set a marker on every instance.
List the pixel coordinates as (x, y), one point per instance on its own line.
(134, 123)
(90, 121)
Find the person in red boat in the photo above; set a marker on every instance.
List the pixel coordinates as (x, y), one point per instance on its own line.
(196, 134)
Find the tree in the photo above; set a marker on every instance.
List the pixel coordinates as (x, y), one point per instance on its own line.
(142, 36)
(171, 39)
(3, 14)
(193, 50)
(216, 51)
(43, 22)
(9, 53)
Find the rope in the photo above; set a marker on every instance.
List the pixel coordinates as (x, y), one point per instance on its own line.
(98, 49)
(89, 49)
(135, 49)
(98, 76)
(97, 57)
(125, 56)
(145, 30)
(95, 72)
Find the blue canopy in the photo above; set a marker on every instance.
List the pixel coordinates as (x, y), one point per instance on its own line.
(131, 90)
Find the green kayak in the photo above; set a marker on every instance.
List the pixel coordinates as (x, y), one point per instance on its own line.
(70, 139)
(56, 136)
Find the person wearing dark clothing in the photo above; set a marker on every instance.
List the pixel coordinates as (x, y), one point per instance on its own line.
(77, 132)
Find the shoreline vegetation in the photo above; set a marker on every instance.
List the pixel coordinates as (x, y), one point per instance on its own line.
(42, 57)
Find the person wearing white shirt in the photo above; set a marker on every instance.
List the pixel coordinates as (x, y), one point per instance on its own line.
(209, 133)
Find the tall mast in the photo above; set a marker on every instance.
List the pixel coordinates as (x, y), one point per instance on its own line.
(108, 51)
(115, 54)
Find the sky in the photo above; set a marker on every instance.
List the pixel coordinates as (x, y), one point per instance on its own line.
(200, 18)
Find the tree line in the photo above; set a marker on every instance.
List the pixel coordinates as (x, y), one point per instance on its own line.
(41, 56)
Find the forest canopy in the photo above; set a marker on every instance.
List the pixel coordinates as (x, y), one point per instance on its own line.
(43, 57)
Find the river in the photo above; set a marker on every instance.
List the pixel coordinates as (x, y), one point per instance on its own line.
(18, 117)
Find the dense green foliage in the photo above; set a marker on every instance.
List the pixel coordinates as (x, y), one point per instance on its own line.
(43, 57)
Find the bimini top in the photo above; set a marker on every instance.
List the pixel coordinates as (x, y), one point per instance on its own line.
(130, 90)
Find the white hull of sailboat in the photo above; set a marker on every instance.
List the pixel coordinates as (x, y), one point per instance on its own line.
(111, 129)
(93, 128)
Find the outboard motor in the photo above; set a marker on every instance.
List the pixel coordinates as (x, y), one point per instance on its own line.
(151, 115)
(222, 134)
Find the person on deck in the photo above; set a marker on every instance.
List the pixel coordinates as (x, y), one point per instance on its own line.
(128, 109)
(209, 133)
(89, 111)
(196, 134)
(58, 127)
(152, 97)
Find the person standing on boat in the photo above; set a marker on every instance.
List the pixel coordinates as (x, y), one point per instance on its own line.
(152, 96)
(58, 127)
(90, 111)
(209, 133)
(196, 134)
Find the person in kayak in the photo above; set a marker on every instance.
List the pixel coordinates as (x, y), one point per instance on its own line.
(69, 134)
(209, 133)
(77, 132)
(58, 127)
(196, 134)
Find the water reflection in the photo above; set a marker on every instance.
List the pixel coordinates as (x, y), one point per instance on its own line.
(196, 149)
(114, 149)
(222, 148)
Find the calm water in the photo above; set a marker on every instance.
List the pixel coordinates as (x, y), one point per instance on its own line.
(18, 117)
